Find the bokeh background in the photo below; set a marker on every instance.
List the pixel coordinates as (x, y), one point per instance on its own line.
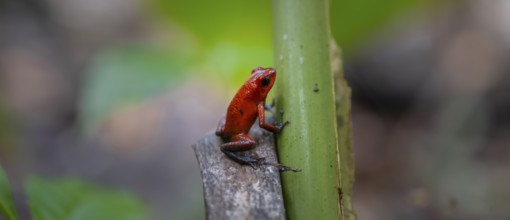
(115, 92)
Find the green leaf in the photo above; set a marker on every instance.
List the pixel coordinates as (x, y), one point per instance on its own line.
(71, 199)
(7, 208)
(127, 75)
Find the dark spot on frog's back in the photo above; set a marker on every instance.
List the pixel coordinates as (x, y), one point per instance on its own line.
(241, 112)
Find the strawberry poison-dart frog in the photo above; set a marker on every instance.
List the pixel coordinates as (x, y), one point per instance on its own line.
(248, 105)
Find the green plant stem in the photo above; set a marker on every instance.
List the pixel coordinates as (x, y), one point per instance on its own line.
(306, 94)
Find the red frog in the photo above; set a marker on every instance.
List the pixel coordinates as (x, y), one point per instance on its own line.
(248, 105)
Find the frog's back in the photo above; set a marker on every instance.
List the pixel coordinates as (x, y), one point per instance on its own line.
(240, 117)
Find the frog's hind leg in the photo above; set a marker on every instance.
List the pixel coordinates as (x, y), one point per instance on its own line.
(281, 167)
(221, 127)
(238, 143)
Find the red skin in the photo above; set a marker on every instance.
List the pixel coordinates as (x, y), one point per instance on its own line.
(247, 105)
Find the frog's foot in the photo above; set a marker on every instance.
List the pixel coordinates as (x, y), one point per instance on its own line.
(280, 126)
(281, 167)
(245, 160)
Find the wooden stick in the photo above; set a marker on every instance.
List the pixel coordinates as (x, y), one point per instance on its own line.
(233, 191)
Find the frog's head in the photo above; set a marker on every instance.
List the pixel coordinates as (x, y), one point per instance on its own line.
(263, 79)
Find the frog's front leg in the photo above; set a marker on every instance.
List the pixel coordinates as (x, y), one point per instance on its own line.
(275, 128)
(241, 142)
(270, 107)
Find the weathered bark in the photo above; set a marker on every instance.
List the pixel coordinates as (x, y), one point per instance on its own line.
(233, 191)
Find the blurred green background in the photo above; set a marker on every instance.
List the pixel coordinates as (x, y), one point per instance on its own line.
(114, 93)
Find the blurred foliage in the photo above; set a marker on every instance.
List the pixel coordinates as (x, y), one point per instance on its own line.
(125, 75)
(240, 22)
(233, 36)
(355, 22)
(7, 209)
(75, 200)
(70, 199)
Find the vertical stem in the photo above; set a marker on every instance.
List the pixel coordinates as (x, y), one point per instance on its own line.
(305, 93)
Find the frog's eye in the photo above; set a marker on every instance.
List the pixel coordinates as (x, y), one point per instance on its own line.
(265, 81)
